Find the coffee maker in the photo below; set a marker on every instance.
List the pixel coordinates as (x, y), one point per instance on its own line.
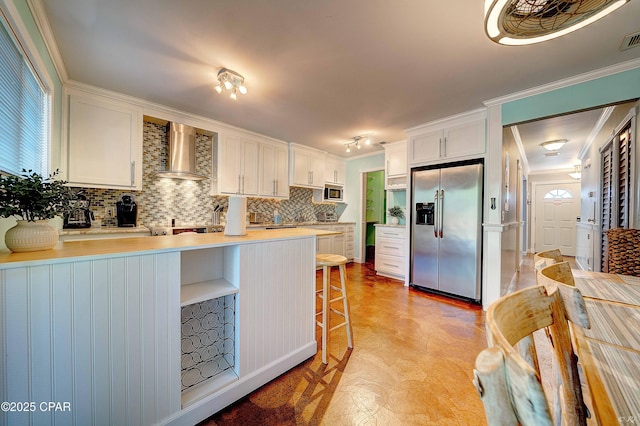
(79, 216)
(127, 211)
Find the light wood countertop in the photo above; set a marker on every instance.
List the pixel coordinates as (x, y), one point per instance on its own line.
(97, 248)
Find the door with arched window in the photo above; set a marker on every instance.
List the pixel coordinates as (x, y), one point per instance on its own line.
(557, 207)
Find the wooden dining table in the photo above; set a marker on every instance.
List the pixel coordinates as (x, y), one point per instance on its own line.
(609, 352)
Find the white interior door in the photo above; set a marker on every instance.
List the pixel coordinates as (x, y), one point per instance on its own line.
(556, 208)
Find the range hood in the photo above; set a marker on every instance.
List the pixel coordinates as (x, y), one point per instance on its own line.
(182, 153)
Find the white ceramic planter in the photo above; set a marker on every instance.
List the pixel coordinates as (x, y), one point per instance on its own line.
(31, 236)
(395, 221)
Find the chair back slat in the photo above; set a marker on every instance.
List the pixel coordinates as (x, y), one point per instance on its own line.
(559, 276)
(491, 383)
(517, 316)
(546, 258)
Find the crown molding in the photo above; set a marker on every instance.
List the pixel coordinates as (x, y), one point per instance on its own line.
(581, 78)
(42, 22)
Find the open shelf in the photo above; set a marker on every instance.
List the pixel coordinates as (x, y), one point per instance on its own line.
(199, 292)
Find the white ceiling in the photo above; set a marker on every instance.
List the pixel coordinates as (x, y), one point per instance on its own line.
(576, 128)
(319, 72)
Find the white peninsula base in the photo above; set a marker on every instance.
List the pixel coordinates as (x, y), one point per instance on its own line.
(103, 333)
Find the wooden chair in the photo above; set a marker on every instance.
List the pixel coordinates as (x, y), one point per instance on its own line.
(551, 275)
(510, 387)
(546, 258)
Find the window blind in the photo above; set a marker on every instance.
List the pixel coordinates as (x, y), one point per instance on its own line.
(23, 111)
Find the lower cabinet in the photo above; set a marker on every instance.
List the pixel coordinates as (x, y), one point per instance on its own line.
(342, 243)
(390, 251)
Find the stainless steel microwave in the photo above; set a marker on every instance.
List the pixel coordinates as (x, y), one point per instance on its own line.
(332, 193)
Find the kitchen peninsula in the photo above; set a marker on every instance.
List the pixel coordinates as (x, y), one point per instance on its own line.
(163, 330)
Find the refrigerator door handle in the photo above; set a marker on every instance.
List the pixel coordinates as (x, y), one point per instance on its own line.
(436, 215)
(441, 210)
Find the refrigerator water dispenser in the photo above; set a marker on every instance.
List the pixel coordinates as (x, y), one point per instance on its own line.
(424, 213)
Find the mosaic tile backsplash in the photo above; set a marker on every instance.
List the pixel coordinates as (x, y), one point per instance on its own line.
(190, 202)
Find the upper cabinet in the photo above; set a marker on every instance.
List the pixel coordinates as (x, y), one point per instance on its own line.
(102, 141)
(457, 138)
(251, 165)
(395, 165)
(237, 164)
(334, 170)
(306, 166)
(274, 170)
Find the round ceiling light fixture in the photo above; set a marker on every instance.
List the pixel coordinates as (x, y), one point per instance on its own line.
(520, 22)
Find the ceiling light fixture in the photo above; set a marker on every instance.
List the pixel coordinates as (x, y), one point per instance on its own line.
(231, 81)
(365, 139)
(520, 22)
(553, 145)
(577, 173)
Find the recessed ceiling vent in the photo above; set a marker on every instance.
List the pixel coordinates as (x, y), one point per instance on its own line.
(519, 22)
(631, 40)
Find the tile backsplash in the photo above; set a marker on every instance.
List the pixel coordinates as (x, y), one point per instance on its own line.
(190, 202)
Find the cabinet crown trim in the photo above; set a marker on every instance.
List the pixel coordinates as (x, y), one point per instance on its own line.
(465, 117)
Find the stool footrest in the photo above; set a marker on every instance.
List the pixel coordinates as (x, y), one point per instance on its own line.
(343, 324)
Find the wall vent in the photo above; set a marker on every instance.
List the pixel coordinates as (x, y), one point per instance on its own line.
(629, 41)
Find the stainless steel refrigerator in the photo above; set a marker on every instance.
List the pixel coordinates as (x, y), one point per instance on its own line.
(446, 229)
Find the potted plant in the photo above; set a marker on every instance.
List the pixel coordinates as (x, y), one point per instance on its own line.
(396, 214)
(33, 199)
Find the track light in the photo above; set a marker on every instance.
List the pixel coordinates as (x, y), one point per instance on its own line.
(366, 139)
(231, 81)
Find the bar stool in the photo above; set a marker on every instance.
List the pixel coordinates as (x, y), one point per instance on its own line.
(326, 262)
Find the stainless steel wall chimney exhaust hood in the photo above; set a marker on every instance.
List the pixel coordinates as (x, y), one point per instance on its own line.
(182, 153)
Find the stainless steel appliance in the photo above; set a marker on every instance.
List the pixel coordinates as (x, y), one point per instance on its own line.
(181, 162)
(446, 229)
(333, 193)
(127, 211)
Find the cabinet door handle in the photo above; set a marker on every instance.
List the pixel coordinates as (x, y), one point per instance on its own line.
(445, 146)
(275, 186)
(243, 184)
(133, 173)
(239, 184)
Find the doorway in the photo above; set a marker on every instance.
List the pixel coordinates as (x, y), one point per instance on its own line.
(373, 211)
(557, 207)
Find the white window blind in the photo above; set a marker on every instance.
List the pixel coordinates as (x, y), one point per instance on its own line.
(24, 114)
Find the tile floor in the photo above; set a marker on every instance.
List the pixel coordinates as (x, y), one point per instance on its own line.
(412, 364)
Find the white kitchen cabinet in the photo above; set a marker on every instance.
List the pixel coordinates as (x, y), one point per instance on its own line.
(307, 167)
(274, 171)
(334, 170)
(349, 242)
(342, 243)
(390, 251)
(458, 138)
(238, 165)
(102, 142)
(395, 156)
